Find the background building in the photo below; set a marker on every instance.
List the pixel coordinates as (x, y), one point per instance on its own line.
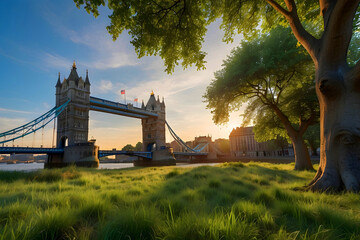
(176, 146)
(243, 144)
(203, 142)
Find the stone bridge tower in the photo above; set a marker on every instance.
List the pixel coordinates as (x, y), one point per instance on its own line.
(153, 129)
(73, 122)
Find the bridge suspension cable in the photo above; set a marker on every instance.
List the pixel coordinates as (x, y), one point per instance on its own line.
(182, 143)
(33, 126)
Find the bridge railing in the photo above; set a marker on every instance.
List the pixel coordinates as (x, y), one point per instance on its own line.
(103, 105)
(34, 125)
(26, 150)
(104, 153)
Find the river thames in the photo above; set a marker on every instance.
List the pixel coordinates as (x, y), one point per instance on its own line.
(37, 166)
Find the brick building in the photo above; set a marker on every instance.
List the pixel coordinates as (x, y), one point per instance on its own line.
(243, 144)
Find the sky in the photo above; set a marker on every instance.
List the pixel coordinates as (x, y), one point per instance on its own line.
(41, 38)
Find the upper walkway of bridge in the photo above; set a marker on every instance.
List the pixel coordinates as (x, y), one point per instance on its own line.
(106, 106)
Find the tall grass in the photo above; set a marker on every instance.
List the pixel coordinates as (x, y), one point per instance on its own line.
(228, 201)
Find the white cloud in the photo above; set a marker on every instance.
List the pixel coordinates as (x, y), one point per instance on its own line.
(14, 111)
(46, 105)
(10, 123)
(105, 53)
(105, 86)
(56, 61)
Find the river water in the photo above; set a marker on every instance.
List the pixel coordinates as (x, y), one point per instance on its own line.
(36, 166)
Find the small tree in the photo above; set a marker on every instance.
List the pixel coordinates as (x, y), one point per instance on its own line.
(138, 147)
(274, 77)
(128, 147)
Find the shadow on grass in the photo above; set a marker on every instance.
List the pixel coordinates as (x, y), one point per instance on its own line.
(230, 201)
(238, 190)
(43, 175)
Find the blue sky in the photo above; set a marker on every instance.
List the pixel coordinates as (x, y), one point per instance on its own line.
(41, 38)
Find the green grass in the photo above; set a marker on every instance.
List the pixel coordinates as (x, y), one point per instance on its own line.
(228, 201)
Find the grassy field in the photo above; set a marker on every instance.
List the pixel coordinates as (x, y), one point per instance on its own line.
(228, 201)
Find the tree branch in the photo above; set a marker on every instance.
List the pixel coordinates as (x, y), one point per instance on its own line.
(166, 10)
(284, 119)
(305, 124)
(310, 43)
(278, 8)
(338, 19)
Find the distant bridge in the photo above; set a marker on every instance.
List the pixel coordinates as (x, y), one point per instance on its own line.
(30, 150)
(73, 103)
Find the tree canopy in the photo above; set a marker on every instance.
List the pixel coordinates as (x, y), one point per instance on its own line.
(274, 77)
(270, 70)
(129, 147)
(175, 29)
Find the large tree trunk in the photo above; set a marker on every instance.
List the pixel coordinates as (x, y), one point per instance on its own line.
(338, 90)
(302, 157)
(339, 98)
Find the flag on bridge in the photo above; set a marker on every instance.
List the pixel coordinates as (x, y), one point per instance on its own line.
(123, 93)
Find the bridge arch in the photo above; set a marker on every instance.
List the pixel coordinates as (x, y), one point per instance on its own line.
(151, 147)
(64, 142)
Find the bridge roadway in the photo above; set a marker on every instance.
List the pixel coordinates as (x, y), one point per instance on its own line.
(29, 150)
(101, 153)
(104, 153)
(190, 153)
(106, 106)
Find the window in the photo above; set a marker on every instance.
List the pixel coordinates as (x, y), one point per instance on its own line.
(80, 112)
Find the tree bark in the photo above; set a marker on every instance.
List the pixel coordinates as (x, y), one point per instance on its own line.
(302, 157)
(338, 92)
(340, 131)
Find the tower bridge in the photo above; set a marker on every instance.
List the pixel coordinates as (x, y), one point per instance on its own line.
(73, 103)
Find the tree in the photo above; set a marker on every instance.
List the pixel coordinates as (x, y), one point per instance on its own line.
(138, 147)
(275, 78)
(175, 29)
(312, 138)
(128, 147)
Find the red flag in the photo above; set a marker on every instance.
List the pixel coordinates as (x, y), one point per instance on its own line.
(135, 100)
(122, 91)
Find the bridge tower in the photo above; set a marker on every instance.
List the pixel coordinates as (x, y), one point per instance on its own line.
(73, 123)
(154, 128)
